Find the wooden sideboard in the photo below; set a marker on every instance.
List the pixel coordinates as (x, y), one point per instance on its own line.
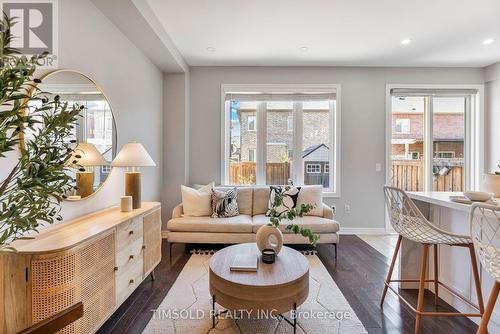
(98, 259)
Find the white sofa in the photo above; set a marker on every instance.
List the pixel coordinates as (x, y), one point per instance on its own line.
(252, 204)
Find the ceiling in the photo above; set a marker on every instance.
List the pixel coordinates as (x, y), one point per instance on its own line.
(335, 32)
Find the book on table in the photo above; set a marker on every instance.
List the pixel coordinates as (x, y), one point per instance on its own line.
(244, 262)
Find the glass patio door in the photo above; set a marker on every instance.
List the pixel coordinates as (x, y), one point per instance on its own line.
(431, 140)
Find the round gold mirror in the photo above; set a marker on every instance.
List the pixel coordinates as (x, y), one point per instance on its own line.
(94, 133)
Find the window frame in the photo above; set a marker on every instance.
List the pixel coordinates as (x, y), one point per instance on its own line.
(334, 191)
(313, 165)
(254, 117)
(288, 127)
(474, 141)
(254, 156)
(403, 132)
(437, 153)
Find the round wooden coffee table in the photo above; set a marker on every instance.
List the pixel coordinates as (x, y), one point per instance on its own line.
(277, 288)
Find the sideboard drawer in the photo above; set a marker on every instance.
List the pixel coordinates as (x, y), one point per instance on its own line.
(128, 279)
(128, 255)
(128, 232)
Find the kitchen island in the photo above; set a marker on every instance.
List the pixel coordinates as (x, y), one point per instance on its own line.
(454, 262)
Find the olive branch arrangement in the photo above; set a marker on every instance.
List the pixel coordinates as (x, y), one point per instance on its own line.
(276, 218)
(32, 192)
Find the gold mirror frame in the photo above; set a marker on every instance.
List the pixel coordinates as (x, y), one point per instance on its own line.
(22, 139)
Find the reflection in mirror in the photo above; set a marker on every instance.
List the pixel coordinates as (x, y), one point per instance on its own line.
(94, 133)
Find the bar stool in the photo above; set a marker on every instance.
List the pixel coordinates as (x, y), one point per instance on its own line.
(484, 226)
(409, 222)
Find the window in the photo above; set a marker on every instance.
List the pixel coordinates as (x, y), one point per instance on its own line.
(403, 125)
(251, 155)
(289, 123)
(252, 120)
(106, 169)
(313, 168)
(441, 150)
(287, 129)
(445, 155)
(414, 155)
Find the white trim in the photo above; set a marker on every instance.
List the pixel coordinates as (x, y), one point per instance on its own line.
(335, 125)
(363, 230)
(476, 156)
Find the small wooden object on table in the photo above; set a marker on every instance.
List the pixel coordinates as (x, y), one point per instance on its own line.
(278, 288)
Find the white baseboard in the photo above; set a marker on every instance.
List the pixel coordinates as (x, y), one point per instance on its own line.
(363, 230)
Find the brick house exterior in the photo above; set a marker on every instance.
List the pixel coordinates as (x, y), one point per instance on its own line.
(448, 133)
(280, 132)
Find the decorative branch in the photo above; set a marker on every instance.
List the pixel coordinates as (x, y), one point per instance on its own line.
(276, 218)
(32, 192)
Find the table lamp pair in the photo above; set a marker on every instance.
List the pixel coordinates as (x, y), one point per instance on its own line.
(132, 155)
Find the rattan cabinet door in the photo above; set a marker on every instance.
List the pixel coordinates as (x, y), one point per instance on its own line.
(152, 241)
(84, 273)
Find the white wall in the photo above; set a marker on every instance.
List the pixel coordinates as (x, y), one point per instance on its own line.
(90, 43)
(362, 121)
(492, 117)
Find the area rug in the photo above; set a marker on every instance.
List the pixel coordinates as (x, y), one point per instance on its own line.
(187, 307)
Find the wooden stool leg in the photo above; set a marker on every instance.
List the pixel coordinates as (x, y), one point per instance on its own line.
(421, 288)
(483, 326)
(391, 268)
(436, 276)
(477, 280)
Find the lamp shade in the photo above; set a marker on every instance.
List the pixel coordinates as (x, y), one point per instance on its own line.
(89, 156)
(133, 155)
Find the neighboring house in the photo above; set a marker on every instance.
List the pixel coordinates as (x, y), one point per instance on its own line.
(317, 165)
(280, 130)
(407, 134)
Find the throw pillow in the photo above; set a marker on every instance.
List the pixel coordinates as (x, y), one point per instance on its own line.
(197, 202)
(224, 203)
(312, 195)
(290, 197)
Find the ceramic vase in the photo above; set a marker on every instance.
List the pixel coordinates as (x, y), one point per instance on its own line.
(491, 184)
(269, 237)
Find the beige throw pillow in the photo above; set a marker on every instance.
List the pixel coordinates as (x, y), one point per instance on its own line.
(197, 202)
(312, 195)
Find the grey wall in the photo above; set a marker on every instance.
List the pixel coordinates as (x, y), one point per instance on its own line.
(362, 123)
(492, 117)
(176, 140)
(90, 43)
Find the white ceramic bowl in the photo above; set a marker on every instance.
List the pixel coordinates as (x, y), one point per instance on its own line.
(478, 196)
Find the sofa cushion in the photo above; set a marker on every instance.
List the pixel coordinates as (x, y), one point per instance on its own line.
(260, 200)
(224, 203)
(316, 224)
(245, 199)
(236, 224)
(289, 199)
(197, 202)
(312, 195)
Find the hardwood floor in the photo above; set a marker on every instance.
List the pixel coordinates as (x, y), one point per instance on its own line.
(359, 272)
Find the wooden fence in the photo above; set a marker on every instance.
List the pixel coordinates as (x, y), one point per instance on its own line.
(244, 173)
(409, 176)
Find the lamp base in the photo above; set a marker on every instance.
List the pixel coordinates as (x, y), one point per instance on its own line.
(85, 184)
(133, 188)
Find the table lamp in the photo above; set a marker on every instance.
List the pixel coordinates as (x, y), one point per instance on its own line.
(133, 155)
(87, 156)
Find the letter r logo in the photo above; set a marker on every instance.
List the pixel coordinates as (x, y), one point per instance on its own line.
(34, 26)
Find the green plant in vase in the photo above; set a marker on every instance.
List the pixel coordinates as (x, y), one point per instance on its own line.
(277, 218)
(35, 185)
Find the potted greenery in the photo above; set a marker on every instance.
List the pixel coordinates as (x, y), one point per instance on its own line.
(276, 218)
(33, 189)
